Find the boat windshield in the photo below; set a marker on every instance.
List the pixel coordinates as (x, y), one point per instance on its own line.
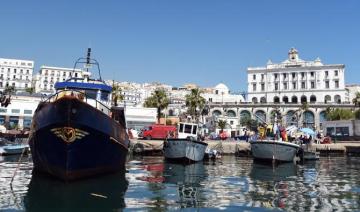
(91, 94)
(104, 96)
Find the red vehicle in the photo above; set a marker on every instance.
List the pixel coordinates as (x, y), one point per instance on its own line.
(157, 131)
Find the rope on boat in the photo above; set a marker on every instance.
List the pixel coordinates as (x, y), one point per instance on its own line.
(17, 167)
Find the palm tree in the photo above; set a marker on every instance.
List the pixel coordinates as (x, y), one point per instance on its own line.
(159, 100)
(116, 94)
(339, 114)
(30, 90)
(356, 100)
(221, 125)
(195, 103)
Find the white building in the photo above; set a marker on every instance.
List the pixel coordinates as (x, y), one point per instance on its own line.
(48, 76)
(17, 73)
(295, 80)
(221, 94)
(20, 112)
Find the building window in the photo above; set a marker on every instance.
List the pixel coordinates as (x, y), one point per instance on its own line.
(254, 77)
(312, 74)
(293, 75)
(13, 84)
(302, 85)
(336, 73)
(231, 122)
(262, 76)
(302, 75)
(326, 73)
(276, 86)
(336, 84)
(262, 86)
(254, 87)
(327, 84)
(28, 112)
(27, 71)
(26, 85)
(284, 76)
(15, 110)
(14, 77)
(312, 85)
(76, 75)
(276, 76)
(3, 110)
(14, 70)
(285, 86)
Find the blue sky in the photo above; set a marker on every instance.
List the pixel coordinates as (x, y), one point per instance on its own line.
(181, 41)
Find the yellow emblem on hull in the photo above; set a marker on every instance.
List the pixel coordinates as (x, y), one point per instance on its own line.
(69, 134)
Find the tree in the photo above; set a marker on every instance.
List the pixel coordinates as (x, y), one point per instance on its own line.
(356, 100)
(116, 94)
(195, 103)
(338, 114)
(221, 124)
(30, 90)
(357, 114)
(251, 124)
(159, 100)
(5, 96)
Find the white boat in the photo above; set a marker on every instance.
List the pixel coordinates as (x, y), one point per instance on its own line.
(14, 149)
(271, 150)
(187, 149)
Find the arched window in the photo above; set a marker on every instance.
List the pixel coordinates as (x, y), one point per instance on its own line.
(262, 100)
(216, 113)
(260, 116)
(309, 119)
(291, 118)
(254, 100)
(231, 113)
(322, 118)
(337, 99)
(312, 99)
(294, 99)
(303, 99)
(276, 99)
(285, 99)
(327, 99)
(244, 115)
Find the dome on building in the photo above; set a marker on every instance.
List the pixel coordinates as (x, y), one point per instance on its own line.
(221, 89)
(221, 86)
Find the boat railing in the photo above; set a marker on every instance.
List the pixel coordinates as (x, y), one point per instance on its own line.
(79, 95)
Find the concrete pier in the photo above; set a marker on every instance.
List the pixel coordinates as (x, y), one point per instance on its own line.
(242, 148)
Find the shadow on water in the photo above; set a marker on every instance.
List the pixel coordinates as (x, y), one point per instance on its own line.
(188, 180)
(104, 193)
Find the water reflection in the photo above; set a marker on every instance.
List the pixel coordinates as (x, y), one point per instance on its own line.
(270, 183)
(105, 193)
(187, 178)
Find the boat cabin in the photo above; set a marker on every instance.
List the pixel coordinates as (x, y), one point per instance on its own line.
(187, 130)
(96, 94)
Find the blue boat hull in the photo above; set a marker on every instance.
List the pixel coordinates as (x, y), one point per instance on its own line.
(76, 145)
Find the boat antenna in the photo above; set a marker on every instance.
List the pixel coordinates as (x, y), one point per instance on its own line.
(88, 61)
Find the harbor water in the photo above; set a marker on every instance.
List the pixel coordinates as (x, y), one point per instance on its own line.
(150, 183)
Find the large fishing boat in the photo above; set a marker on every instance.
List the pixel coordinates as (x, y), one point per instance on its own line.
(76, 133)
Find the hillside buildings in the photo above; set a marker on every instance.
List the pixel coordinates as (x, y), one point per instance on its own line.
(47, 77)
(16, 73)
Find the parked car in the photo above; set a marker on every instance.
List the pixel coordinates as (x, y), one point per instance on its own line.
(157, 131)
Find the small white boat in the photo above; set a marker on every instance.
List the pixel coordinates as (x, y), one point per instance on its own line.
(271, 150)
(187, 149)
(14, 149)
